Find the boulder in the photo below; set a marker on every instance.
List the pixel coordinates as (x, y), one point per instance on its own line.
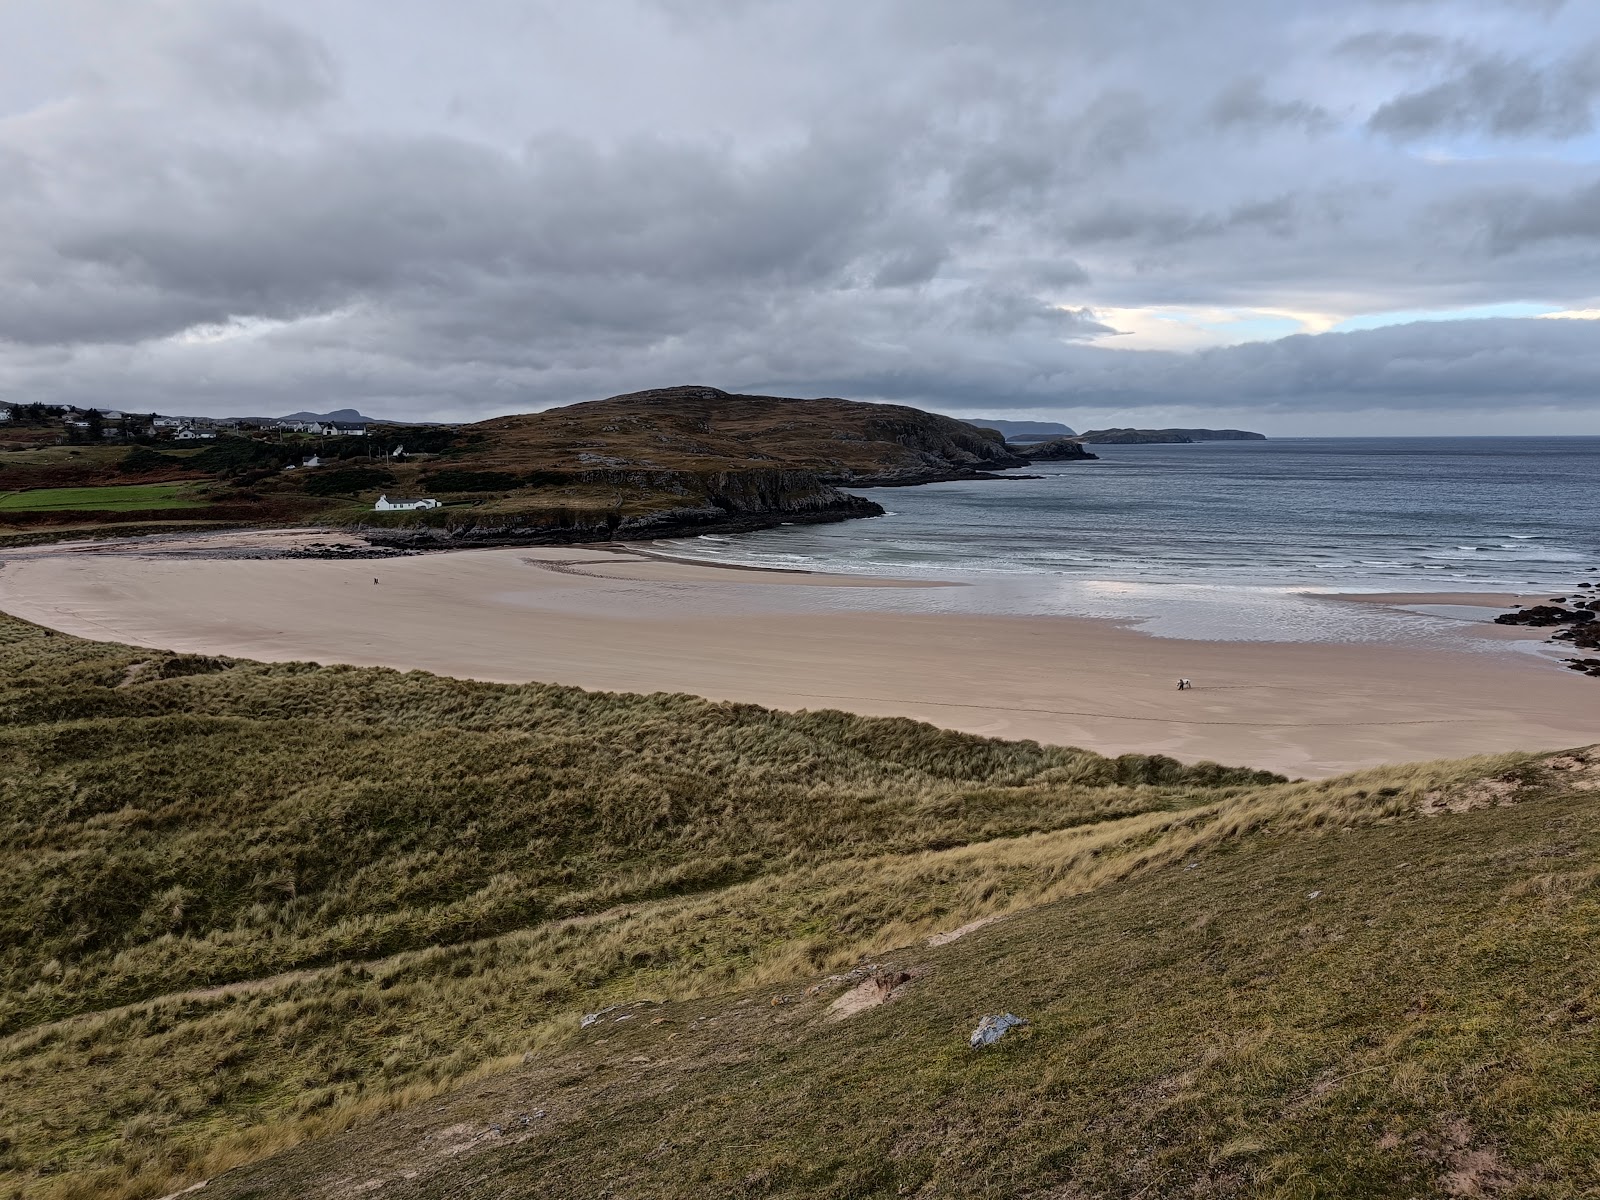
(991, 1029)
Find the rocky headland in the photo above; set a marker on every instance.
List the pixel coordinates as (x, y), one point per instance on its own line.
(1060, 450)
(675, 461)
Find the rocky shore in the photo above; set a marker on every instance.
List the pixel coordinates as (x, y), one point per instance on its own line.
(1575, 617)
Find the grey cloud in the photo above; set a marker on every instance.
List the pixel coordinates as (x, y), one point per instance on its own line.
(1167, 225)
(242, 55)
(1516, 220)
(1245, 105)
(939, 207)
(1505, 97)
(1477, 367)
(1405, 47)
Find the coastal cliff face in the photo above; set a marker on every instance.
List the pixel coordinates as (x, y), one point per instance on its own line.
(625, 504)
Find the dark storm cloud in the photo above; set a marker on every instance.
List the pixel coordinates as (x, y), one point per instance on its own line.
(235, 208)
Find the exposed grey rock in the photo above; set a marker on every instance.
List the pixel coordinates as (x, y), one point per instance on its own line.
(991, 1029)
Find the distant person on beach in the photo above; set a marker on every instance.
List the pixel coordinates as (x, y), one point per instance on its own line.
(1184, 685)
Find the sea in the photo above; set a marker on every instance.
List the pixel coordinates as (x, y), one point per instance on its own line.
(1231, 540)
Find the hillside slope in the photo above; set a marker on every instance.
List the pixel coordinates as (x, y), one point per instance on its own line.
(703, 428)
(1402, 1008)
(246, 906)
(239, 902)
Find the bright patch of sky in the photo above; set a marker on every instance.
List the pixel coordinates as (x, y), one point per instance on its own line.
(1476, 312)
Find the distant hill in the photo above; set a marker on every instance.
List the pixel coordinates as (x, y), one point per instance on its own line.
(1023, 431)
(1131, 437)
(343, 416)
(703, 429)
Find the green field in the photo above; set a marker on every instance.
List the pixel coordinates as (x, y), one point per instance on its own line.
(131, 497)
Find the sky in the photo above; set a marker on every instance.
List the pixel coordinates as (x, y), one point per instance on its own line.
(1308, 218)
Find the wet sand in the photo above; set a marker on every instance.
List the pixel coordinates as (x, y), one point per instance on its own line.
(619, 621)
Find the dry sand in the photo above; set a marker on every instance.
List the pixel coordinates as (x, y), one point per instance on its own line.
(602, 620)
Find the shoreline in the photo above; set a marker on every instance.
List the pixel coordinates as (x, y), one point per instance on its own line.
(617, 619)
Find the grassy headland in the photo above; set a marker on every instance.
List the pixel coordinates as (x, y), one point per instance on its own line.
(640, 465)
(249, 905)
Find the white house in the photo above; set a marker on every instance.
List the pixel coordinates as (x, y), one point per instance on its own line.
(385, 504)
(5, 412)
(168, 423)
(191, 435)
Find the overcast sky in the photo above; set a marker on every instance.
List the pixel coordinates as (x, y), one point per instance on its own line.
(1296, 215)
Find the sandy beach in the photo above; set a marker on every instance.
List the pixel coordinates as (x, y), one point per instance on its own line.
(621, 621)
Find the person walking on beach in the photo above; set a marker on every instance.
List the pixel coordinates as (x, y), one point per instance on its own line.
(1184, 685)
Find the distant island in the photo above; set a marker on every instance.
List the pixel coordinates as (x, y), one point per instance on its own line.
(1134, 437)
(1022, 431)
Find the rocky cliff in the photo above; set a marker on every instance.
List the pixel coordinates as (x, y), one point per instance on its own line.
(1059, 450)
(609, 504)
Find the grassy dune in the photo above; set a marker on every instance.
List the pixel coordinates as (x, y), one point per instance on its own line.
(242, 906)
(1399, 1007)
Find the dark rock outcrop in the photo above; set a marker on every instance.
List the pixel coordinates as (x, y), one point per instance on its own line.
(1060, 450)
(1578, 625)
(1544, 614)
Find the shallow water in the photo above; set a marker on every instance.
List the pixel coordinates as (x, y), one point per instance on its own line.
(1222, 539)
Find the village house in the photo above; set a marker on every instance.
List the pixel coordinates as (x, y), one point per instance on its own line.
(385, 504)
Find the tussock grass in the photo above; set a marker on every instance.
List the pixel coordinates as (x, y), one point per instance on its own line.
(242, 905)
